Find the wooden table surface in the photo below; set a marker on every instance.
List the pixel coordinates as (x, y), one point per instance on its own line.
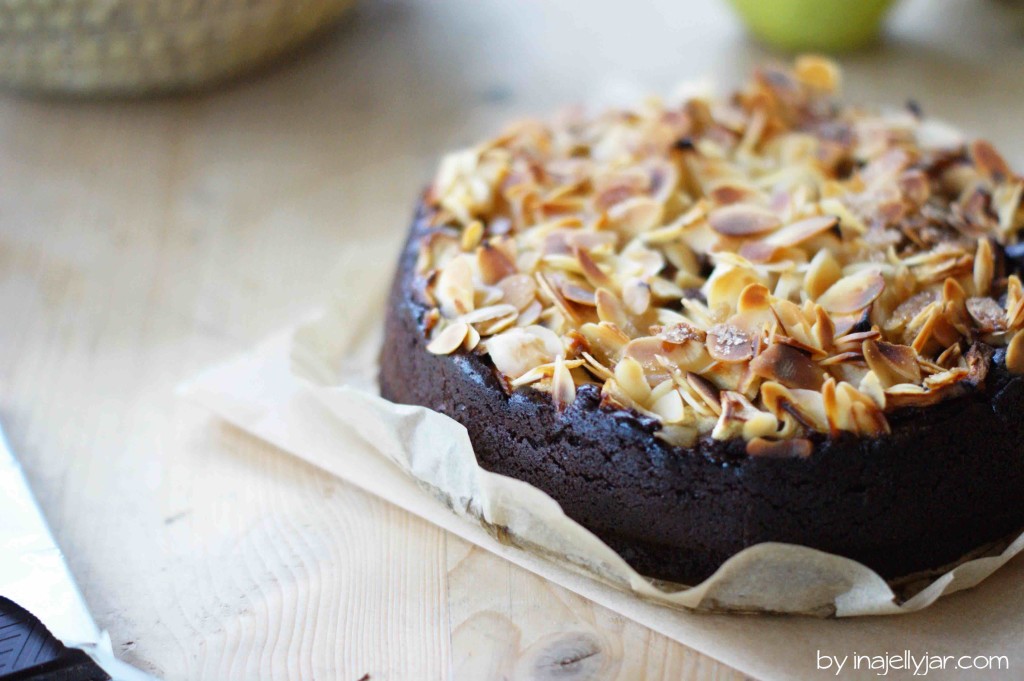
(143, 241)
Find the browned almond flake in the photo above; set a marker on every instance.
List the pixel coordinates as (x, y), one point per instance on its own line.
(578, 294)
(594, 274)
(852, 293)
(726, 343)
(449, 340)
(989, 161)
(681, 332)
(791, 235)
(788, 366)
(493, 264)
(743, 219)
(892, 363)
(1015, 354)
(705, 389)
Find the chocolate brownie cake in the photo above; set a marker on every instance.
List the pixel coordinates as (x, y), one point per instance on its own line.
(704, 325)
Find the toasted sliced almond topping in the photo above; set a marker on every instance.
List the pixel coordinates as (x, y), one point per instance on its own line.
(517, 350)
(743, 219)
(791, 235)
(611, 310)
(578, 294)
(454, 291)
(563, 391)
(629, 374)
(705, 390)
(726, 249)
(1015, 354)
(989, 161)
(594, 274)
(670, 407)
(518, 290)
(984, 267)
(636, 296)
(493, 264)
(726, 343)
(987, 314)
(449, 340)
(472, 340)
(636, 215)
(486, 314)
(852, 293)
(892, 364)
(681, 333)
(788, 366)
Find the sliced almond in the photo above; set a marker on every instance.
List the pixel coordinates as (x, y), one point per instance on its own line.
(611, 310)
(545, 286)
(989, 161)
(606, 341)
(594, 274)
(471, 235)
(472, 340)
(493, 264)
(893, 364)
(1015, 354)
(636, 295)
(792, 234)
(681, 333)
(490, 313)
(987, 314)
(654, 355)
(563, 388)
(629, 374)
(853, 293)
(705, 390)
(518, 290)
(726, 343)
(909, 309)
(788, 366)
(669, 407)
(822, 272)
(449, 339)
(517, 350)
(454, 290)
(578, 294)
(984, 268)
(743, 219)
(636, 215)
(724, 288)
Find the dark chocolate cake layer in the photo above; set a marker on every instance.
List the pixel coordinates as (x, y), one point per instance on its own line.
(947, 479)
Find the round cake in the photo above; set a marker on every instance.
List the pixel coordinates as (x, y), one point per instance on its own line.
(706, 324)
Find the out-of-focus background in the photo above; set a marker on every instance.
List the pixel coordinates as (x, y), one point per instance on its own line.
(143, 239)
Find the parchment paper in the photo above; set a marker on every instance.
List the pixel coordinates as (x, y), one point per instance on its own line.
(315, 398)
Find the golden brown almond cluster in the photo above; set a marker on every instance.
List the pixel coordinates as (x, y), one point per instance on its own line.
(760, 266)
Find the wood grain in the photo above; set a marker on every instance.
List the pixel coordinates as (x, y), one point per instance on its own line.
(142, 241)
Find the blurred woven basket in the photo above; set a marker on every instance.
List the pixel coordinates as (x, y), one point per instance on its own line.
(146, 46)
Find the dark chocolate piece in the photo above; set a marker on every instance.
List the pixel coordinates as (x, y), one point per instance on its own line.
(28, 651)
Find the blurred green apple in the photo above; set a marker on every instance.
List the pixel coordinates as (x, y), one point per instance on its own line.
(824, 25)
